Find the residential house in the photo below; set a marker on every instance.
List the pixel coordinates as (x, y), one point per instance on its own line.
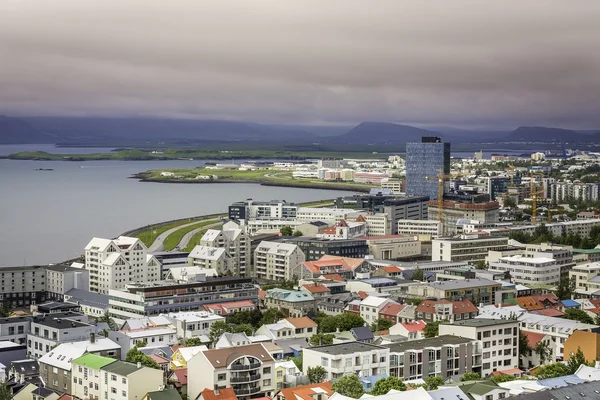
(291, 328)
(390, 271)
(346, 267)
(182, 355)
(479, 290)
(212, 258)
(230, 307)
(287, 374)
(446, 310)
(316, 290)
(249, 370)
(178, 379)
(370, 308)
(217, 394)
(91, 303)
(296, 303)
(411, 330)
(390, 311)
(15, 329)
(484, 390)
(533, 358)
(347, 358)
(314, 391)
(50, 330)
(233, 340)
(362, 334)
(190, 324)
(163, 394)
(129, 339)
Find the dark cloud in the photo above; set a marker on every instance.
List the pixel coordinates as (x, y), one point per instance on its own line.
(459, 62)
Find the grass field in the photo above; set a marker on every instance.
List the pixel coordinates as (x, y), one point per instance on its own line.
(194, 240)
(174, 238)
(150, 235)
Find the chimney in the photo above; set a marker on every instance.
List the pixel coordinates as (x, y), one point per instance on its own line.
(216, 390)
(139, 365)
(92, 337)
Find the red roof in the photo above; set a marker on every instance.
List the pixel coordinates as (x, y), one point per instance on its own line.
(363, 295)
(458, 306)
(65, 397)
(224, 394)
(360, 219)
(551, 312)
(595, 302)
(229, 307)
(414, 326)
(321, 265)
(159, 360)
(529, 303)
(552, 298)
(262, 293)
(181, 375)
(595, 310)
(334, 277)
(391, 269)
(305, 392)
(391, 309)
(312, 288)
(533, 338)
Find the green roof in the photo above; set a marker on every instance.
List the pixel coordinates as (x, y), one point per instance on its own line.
(121, 368)
(586, 251)
(167, 394)
(479, 388)
(93, 361)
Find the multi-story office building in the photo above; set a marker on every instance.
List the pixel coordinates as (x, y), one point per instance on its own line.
(97, 377)
(191, 324)
(424, 160)
(249, 370)
(23, 286)
(467, 248)
(563, 255)
(114, 263)
(499, 340)
(478, 291)
(276, 260)
(48, 331)
(378, 224)
(355, 358)
(237, 244)
(140, 300)
(214, 258)
(586, 277)
(497, 186)
(62, 278)
(15, 329)
(452, 212)
(445, 355)
(250, 209)
(260, 226)
(314, 248)
(331, 215)
(425, 229)
(529, 270)
(393, 247)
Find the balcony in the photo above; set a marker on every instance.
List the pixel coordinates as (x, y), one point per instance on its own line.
(248, 378)
(245, 367)
(248, 391)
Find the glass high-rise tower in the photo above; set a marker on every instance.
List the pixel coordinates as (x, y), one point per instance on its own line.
(424, 160)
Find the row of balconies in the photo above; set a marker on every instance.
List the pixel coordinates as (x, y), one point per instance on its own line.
(247, 378)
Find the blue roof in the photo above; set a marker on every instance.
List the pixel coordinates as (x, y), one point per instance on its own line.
(570, 303)
(369, 381)
(380, 281)
(561, 381)
(507, 284)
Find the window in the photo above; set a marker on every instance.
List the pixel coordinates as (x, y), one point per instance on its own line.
(113, 390)
(124, 393)
(267, 382)
(267, 370)
(501, 395)
(348, 362)
(489, 397)
(113, 378)
(324, 362)
(221, 377)
(279, 373)
(124, 381)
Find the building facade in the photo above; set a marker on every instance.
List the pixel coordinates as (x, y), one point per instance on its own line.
(237, 244)
(467, 248)
(276, 260)
(424, 160)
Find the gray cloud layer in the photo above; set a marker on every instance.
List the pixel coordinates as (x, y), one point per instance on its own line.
(455, 62)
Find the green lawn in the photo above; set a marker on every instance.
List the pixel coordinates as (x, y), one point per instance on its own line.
(149, 236)
(174, 238)
(195, 240)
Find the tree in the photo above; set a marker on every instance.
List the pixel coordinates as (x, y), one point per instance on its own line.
(576, 360)
(191, 342)
(245, 328)
(217, 330)
(381, 324)
(565, 288)
(551, 371)
(347, 321)
(298, 361)
(503, 378)
(271, 316)
(135, 356)
(246, 317)
(319, 339)
(509, 202)
(286, 231)
(524, 348)
(481, 264)
(297, 233)
(432, 382)
(6, 309)
(384, 385)
(349, 385)
(418, 275)
(578, 315)
(543, 350)
(470, 376)
(316, 374)
(5, 393)
(432, 329)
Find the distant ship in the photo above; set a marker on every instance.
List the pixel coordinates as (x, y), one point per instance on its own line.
(44, 169)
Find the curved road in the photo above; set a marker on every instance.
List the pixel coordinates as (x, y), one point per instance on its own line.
(158, 244)
(188, 236)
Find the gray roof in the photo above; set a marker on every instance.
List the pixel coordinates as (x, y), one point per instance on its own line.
(88, 298)
(9, 354)
(121, 368)
(462, 284)
(346, 348)
(159, 350)
(26, 367)
(362, 333)
(448, 393)
(480, 322)
(62, 268)
(60, 320)
(435, 342)
(287, 345)
(589, 390)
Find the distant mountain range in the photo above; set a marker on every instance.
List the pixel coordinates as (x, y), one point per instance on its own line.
(153, 131)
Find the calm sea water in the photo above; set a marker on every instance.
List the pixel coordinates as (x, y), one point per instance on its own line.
(49, 216)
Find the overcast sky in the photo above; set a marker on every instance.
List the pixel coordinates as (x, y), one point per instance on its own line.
(447, 62)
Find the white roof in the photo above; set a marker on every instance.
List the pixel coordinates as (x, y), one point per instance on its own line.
(112, 259)
(149, 332)
(62, 355)
(521, 386)
(373, 301)
(447, 392)
(259, 338)
(194, 316)
(207, 253)
(147, 322)
(210, 235)
(417, 394)
(188, 352)
(531, 260)
(177, 273)
(101, 243)
(5, 344)
(588, 373)
(276, 247)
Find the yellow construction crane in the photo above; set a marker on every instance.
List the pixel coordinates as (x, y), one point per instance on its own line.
(440, 199)
(534, 195)
(512, 174)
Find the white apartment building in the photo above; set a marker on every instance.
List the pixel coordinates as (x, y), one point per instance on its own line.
(114, 263)
(153, 336)
(237, 244)
(426, 229)
(212, 258)
(466, 248)
(565, 191)
(276, 261)
(256, 226)
(345, 230)
(499, 340)
(62, 278)
(558, 328)
(47, 331)
(529, 270)
(249, 370)
(190, 324)
(370, 307)
(587, 278)
(97, 377)
(378, 224)
(332, 215)
(356, 358)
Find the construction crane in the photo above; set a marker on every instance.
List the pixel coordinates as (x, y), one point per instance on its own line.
(440, 199)
(534, 195)
(512, 174)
